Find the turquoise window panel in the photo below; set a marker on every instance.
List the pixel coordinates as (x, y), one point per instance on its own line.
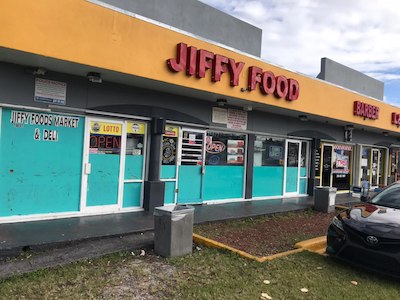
(189, 184)
(292, 178)
(268, 181)
(102, 187)
(133, 167)
(132, 194)
(168, 172)
(303, 172)
(39, 176)
(303, 186)
(223, 182)
(169, 196)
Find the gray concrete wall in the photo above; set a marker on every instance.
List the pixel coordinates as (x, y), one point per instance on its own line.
(17, 87)
(198, 18)
(346, 77)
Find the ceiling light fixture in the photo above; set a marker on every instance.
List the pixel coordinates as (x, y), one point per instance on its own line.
(37, 71)
(94, 77)
(303, 118)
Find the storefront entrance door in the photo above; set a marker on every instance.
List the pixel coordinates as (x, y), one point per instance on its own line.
(169, 163)
(292, 167)
(375, 167)
(113, 165)
(327, 165)
(102, 165)
(191, 166)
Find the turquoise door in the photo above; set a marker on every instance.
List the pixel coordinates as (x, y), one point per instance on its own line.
(135, 149)
(103, 163)
(292, 167)
(169, 163)
(191, 166)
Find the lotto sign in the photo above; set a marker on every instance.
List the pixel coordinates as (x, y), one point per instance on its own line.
(105, 128)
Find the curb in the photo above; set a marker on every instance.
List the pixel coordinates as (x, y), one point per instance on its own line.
(341, 207)
(214, 244)
(316, 245)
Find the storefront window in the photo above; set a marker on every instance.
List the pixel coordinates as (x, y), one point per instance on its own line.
(225, 149)
(373, 165)
(268, 151)
(303, 167)
(292, 155)
(268, 171)
(394, 165)
(303, 158)
(341, 159)
(135, 135)
(336, 166)
(341, 166)
(381, 172)
(134, 144)
(135, 138)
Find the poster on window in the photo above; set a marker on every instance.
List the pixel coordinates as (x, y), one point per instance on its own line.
(341, 159)
(169, 151)
(235, 159)
(235, 152)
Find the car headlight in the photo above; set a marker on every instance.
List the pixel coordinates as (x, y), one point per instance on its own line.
(337, 223)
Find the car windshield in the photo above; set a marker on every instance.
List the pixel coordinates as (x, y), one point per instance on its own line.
(389, 197)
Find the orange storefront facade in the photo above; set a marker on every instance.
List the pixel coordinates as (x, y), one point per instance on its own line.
(228, 126)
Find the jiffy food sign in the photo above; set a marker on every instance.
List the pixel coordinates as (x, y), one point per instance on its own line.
(195, 62)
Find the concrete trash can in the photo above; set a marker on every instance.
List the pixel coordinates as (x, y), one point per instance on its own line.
(324, 199)
(173, 230)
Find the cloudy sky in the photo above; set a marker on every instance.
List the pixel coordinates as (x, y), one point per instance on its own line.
(364, 35)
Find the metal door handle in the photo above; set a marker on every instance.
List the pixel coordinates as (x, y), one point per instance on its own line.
(88, 168)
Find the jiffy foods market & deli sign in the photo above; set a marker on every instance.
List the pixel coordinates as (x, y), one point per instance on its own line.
(195, 62)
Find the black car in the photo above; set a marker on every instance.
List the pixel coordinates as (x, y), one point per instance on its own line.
(368, 234)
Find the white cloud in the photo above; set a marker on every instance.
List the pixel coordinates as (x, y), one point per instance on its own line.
(384, 76)
(364, 35)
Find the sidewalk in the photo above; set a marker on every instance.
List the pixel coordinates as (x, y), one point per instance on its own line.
(57, 242)
(17, 237)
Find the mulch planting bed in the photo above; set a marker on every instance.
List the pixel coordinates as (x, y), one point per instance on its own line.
(267, 235)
